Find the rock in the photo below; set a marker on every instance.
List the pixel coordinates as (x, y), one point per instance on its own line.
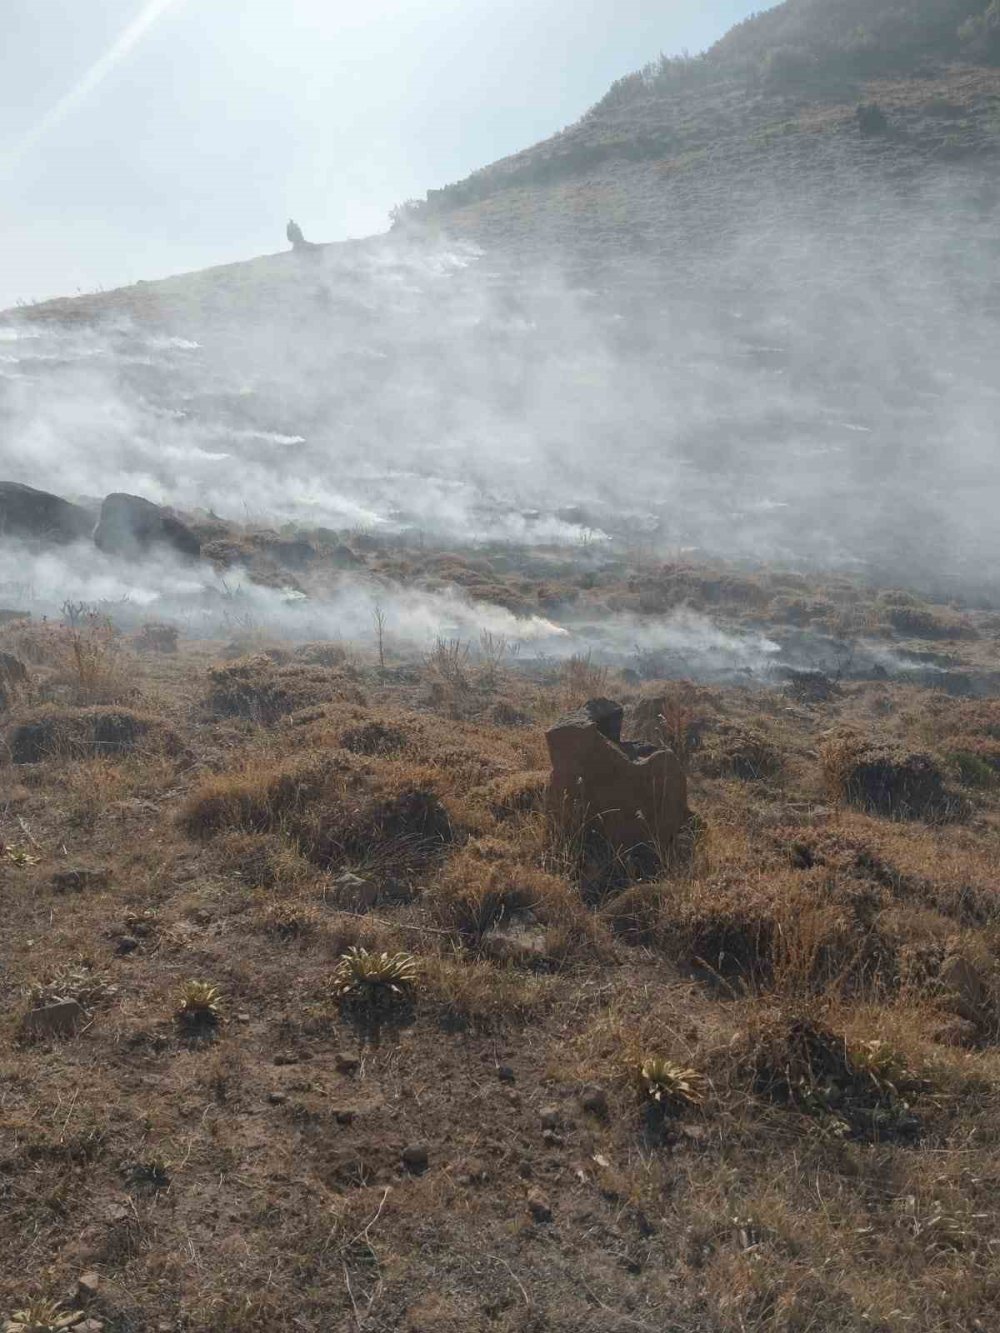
(88, 1287)
(549, 1117)
(633, 794)
(54, 1020)
(89, 1326)
(38, 516)
(277, 1098)
(594, 1100)
(348, 1064)
(415, 1157)
(12, 670)
(354, 894)
(79, 878)
(505, 1074)
(539, 1206)
(131, 526)
(127, 944)
(517, 945)
(964, 982)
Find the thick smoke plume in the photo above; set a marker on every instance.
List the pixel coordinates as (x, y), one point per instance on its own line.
(773, 396)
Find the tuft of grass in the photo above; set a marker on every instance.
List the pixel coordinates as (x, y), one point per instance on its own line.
(42, 1316)
(374, 980)
(199, 1004)
(672, 1087)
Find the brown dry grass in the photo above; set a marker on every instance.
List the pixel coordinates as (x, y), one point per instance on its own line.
(251, 1175)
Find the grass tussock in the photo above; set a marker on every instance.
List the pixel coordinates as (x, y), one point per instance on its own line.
(262, 690)
(54, 732)
(887, 780)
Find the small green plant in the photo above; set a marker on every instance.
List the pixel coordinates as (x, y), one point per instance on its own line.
(18, 856)
(374, 980)
(199, 1006)
(671, 1086)
(881, 1065)
(41, 1316)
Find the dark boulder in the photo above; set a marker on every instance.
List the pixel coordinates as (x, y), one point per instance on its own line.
(131, 526)
(39, 516)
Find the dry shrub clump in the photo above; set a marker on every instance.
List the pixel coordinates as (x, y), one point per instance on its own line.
(862, 1089)
(739, 752)
(262, 690)
(514, 794)
(86, 659)
(335, 809)
(476, 894)
(52, 732)
(886, 779)
(773, 931)
(13, 679)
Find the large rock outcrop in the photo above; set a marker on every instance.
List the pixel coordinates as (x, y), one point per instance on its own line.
(634, 795)
(38, 516)
(131, 526)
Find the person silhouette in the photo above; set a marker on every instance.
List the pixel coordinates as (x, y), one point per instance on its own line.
(294, 233)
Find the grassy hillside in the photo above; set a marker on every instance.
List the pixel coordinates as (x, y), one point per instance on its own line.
(768, 114)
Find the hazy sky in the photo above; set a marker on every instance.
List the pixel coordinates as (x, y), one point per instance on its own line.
(147, 137)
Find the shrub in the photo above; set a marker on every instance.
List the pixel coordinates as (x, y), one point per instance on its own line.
(52, 732)
(886, 780)
(860, 1088)
(261, 690)
(737, 752)
(157, 638)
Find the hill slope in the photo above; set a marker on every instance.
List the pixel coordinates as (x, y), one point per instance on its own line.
(764, 121)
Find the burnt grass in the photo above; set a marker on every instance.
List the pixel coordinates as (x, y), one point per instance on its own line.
(823, 955)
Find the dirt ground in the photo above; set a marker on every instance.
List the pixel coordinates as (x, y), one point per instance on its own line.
(492, 1147)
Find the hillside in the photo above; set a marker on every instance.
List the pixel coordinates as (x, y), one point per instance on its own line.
(338, 995)
(761, 130)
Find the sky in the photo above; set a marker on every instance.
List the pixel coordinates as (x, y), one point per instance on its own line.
(148, 137)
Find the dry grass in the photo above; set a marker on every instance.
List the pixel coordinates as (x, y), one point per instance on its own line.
(821, 979)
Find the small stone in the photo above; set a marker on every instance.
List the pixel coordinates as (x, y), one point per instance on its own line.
(88, 1287)
(277, 1098)
(348, 1064)
(416, 1157)
(89, 1326)
(539, 1206)
(505, 1074)
(54, 1020)
(549, 1117)
(594, 1100)
(243, 1018)
(127, 944)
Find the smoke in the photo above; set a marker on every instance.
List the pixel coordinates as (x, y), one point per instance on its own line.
(797, 390)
